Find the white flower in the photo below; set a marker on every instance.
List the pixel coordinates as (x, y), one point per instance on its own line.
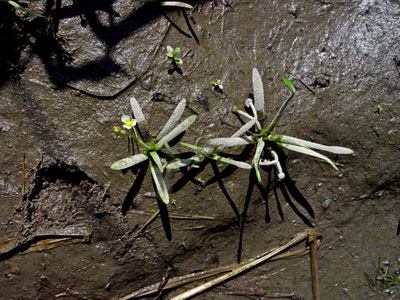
(128, 122)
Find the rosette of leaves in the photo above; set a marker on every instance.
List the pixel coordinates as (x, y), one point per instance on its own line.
(256, 135)
(150, 152)
(210, 153)
(172, 53)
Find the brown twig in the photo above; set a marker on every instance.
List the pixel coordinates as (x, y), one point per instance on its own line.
(313, 239)
(231, 270)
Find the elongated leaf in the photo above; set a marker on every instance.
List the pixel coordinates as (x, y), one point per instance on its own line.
(184, 163)
(159, 183)
(236, 163)
(170, 50)
(157, 160)
(17, 6)
(137, 111)
(176, 131)
(258, 94)
(299, 142)
(246, 127)
(257, 155)
(307, 151)
(196, 148)
(129, 161)
(277, 117)
(290, 85)
(140, 118)
(176, 4)
(232, 141)
(173, 120)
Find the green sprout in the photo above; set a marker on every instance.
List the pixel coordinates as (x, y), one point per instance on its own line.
(217, 85)
(151, 151)
(171, 53)
(378, 109)
(18, 6)
(383, 281)
(260, 136)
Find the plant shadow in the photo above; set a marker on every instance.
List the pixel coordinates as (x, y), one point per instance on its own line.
(43, 37)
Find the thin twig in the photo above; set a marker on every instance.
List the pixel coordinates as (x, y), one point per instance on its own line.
(185, 279)
(176, 216)
(242, 268)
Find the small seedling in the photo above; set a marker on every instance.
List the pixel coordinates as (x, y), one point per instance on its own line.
(151, 152)
(171, 53)
(217, 85)
(383, 281)
(18, 6)
(259, 136)
(378, 109)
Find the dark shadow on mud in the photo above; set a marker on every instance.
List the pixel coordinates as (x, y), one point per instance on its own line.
(42, 35)
(129, 200)
(13, 41)
(288, 189)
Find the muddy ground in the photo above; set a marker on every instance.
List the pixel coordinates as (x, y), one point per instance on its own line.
(68, 80)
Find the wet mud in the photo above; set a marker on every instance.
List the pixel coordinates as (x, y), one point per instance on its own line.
(72, 228)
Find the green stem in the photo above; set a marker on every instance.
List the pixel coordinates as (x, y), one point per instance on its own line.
(278, 116)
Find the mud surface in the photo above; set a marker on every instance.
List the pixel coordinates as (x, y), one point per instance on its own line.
(69, 80)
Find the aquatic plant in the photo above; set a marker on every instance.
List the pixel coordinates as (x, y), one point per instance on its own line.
(383, 281)
(264, 138)
(151, 151)
(217, 85)
(18, 6)
(171, 53)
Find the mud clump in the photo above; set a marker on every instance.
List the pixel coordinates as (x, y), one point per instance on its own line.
(63, 199)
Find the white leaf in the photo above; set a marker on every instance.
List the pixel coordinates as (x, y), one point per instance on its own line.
(258, 93)
(246, 127)
(307, 151)
(129, 161)
(173, 120)
(176, 131)
(231, 142)
(137, 111)
(160, 183)
(300, 142)
(257, 155)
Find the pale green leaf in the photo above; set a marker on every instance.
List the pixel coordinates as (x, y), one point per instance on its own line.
(307, 151)
(129, 161)
(196, 148)
(157, 160)
(17, 6)
(173, 120)
(159, 183)
(170, 50)
(176, 131)
(176, 4)
(236, 163)
(183, 163)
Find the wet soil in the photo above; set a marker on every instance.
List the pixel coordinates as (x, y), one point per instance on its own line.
(69, 80)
